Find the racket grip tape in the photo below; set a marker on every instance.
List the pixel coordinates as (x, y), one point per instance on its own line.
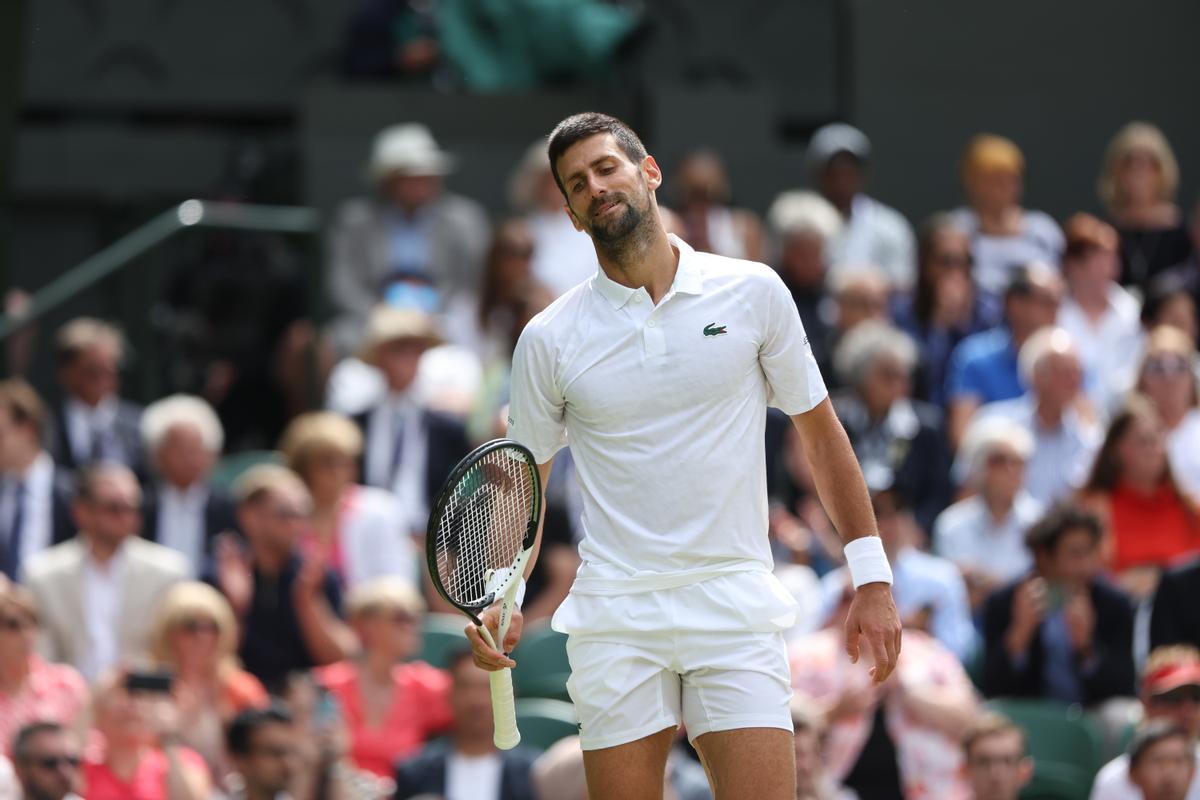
(504, 713)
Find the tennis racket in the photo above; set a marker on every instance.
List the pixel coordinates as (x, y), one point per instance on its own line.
(481, 533)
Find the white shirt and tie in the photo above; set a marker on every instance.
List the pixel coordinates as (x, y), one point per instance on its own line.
(27, 510)
(90, 431)
(180, 523)
(101, 611)
(395, 458)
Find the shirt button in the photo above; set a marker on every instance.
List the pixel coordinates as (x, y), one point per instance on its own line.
(650, 323)
(637, 298)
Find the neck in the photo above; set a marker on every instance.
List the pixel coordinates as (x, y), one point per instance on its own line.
(122, 756)
(180, 487)
(269, 561)
(998, 504)
(474, 745)
(1173, 413)
(1049, 415)
(643, 258)
(1145, 484)
(377, 667)
(999, 220)
(13, 674)
(24, 460)
(260, 793)
(103, 550)
(1092, 298)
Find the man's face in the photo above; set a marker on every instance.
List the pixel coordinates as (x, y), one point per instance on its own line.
(1180, 706)
(276, 520)
(994, 189)
(1058, 378)
(94, 374)
(608, 196)
(183, 459)
(398, 360)
(997, 766)
(471, 700)
(1036, 310)
(412, 192)
(1165, 770)
(114, 511)
(861, 301)
(1003, 471)
(1073, 562)
(49, 770)
(841, 179)
(9, 444)
(270, 765)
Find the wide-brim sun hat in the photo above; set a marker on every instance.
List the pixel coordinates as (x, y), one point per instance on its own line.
(408, 149)
(390, 324)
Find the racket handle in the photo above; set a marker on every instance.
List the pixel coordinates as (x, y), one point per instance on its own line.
(504, 710)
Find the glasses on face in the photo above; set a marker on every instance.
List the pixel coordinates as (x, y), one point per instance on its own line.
(1166, 366)
(1003, 460)
(1177, 697)
(987, 762)
(275, 751)
(197, 626)
(14, 624)
(53, 762)
(116, 508)
(953, 260)
(286, 512)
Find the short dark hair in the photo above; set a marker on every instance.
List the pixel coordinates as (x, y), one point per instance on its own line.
(1045, 534)
(992, 724)
(89, 476)
(20, 745)
(578, 127)
(243, 727)
(1152, 733)
(1023, 280)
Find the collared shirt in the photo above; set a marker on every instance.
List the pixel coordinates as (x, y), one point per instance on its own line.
(181, 522)
(402, 473)
(967, 534)
(1112, 782)
(984, 367)
(1109, 348)
(1061, 456)
(409, 240)
(473, 777)
(85, 423)
(37, 515)
(1183, 448)
(996, 257)
(879, 236)
(665, 407)
(101, 611)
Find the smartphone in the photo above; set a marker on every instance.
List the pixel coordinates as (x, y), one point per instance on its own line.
(155, 682)
(1056, 596)
(327, 711)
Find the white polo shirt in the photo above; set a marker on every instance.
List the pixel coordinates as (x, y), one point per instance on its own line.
(664, 408)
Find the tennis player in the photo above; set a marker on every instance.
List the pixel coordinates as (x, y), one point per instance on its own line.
(658, 372)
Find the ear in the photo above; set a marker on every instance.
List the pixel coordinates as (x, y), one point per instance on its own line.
(653, 174)
(571, 216)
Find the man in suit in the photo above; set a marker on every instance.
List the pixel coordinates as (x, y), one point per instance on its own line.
(1060, 632)
(97, 593)
(1176, 615)
(408, 449)
(35, 495)
(468, 763)
(184, 511)
(93, 423)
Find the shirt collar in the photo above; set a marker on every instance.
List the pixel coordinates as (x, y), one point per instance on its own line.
(104, 412)
(194, 495)
(689, 279)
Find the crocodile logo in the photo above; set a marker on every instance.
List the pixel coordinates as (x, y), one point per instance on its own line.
(713, 329)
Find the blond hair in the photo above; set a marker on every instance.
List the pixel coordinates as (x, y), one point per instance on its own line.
(987, 153)
(312, 435)
(263, 479)
(15, 596)
(191, 600)
(1135, 137)
(386, 593)
(81, 333)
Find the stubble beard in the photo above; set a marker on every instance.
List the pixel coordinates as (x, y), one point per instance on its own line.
(622, 238)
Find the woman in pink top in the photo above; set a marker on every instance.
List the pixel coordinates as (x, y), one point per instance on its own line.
(30, 688)
(137, 755)
(390, 707)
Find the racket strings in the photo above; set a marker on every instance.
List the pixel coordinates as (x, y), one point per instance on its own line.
(483, 527)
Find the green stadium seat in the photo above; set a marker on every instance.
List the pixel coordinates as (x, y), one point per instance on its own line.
(441, 636)
(543, 721)
(1064, 744)
(1055, 781)
(229, 468)
(542, 666)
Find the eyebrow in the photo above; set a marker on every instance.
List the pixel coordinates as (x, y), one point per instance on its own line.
(577, 173)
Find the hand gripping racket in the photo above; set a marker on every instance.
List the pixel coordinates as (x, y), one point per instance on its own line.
(481, 533)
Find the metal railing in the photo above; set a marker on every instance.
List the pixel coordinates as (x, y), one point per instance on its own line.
(127, 249)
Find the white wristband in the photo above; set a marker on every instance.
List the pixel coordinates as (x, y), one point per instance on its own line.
(520, 598)
(867, 561)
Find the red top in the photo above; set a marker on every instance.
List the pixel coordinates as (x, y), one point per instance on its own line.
(420, 710)
(1150, 529)
(149, 781)
(53, 692)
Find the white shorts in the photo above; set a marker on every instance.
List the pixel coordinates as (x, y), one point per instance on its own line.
(628, 686)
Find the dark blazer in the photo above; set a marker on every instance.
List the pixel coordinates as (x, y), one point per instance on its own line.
(446, 444)
(1176, 615)
(62, 525)
(425, 773)
(1113, 675)
(127, 427)
(220, 515)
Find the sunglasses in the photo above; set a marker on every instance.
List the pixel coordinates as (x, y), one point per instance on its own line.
(15, 623)
(54, 762)
(1177, 697)
(115, 508)
(195, 626)
(1166, 366)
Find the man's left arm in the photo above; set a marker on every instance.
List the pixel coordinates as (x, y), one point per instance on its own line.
(844, 495)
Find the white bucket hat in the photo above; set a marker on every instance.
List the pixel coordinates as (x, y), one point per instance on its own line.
(408, 148)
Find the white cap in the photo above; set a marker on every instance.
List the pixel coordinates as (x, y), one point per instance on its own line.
(408, 148)
(836, 138)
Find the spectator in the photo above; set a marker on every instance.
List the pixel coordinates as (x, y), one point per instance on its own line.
(872, 233)
(1176, 616)
(96, 593)
(890, 741)
(1004, 236)
(1170, 301)
(261, 743)
(1189, 270)
(898, 441)
(1060, 633)
(93, 423)
(357, 530)
(710, 223)
(46, 757)
(1150, 521)
(1162, 762)
(1168, 378)
(195, 638)
(391, 706)
(930, 593)
(184, 510)
(857, 297)
(804, 225)
(1102, 318)
(1171, 694)
(408, 449)
(1055, 412)
(945, 307)
(35, 495)
(467, 764)
(394, 39)
(287, 605)
(1138, 182)
(32, 689)
(984, 533)
(140, 755)
(411, 227)
(983, 367)
(558, 774)
(812, 782)
(998, 762)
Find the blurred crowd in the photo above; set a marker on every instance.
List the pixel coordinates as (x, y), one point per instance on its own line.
(223, 594)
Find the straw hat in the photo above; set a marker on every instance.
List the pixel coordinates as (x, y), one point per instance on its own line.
(410, 149)
(388, 324)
